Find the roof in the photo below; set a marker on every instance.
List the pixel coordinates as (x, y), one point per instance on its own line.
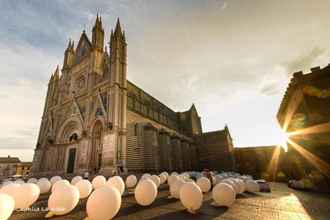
(9, 160)
(270, 147)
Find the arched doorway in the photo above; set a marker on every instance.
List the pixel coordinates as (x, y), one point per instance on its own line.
(96, 151)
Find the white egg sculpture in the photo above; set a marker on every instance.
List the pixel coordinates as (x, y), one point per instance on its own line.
(32, 180)
(44, 186)
(232, 183)
(131, 181)
(19, 181)
(204, 183)
(145, 176)
(175, 188)
(241, 185)
(191, 196)
(118, 183)
(252, 186)
(7, 206)
(162, 178)
(145, 192)
(223, 194)
(54, 179)
(12, 190)
(98, 181)
(28, 193)
(43, 179)
(76, 179)
(5, 183)
(174, 174)
(156, 180)
(63, 200)
(165, 173)
(85, 188)
(103, 204)
(172, 179)
(59, 184)
(218, 179)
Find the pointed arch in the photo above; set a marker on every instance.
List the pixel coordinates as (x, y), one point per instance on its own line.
(95, 158)
(70, 126)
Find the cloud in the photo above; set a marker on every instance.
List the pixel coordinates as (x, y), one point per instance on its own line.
(305, 61)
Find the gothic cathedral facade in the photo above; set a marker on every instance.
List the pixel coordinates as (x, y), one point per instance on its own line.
(96, 121)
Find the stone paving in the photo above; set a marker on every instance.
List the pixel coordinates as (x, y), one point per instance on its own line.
(281, 203)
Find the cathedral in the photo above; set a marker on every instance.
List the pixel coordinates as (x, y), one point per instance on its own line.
(95, 120)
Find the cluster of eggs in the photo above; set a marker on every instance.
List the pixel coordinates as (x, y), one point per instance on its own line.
(104, 195)
(225, 188)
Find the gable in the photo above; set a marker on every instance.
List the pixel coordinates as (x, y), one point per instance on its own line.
(84, 47)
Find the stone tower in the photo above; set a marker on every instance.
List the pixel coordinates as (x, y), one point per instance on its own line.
(83, 126)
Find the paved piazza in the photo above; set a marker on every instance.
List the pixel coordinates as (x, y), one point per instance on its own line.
(281, 203)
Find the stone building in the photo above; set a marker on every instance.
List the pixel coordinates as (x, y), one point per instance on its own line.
(96, 120)
(216, 150)
(8, 166)
(260, 161)
(23, 168)
(305, 114)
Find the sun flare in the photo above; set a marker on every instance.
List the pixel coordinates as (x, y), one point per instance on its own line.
(283, 140)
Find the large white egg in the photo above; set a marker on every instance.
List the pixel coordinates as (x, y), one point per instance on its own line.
(162, 178)
(63, 200)
(165, 173)
(12, 190)
(103, 204)
(28, 193)
(19, 181)
(118, 183)
(54, 179)
(172, 179)
(32, 180)
(232, 183)
(175, 188)
(145, 192)
(204, 183)
(5, 183)
(59, 184)
(7, 206)
(191, 196)
(44, 185)
(156, 180)
(174, 174)
(76, 179)
(252, 186)
(85, 188)
(131, 181)
(145, 176)
(98, 181)
(43, 179)
(223, 194)
(241, 185)
(218, 179)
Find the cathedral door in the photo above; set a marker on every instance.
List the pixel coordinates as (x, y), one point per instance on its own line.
(71, 160)
(96, 152)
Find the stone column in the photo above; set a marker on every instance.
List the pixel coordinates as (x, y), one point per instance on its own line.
(82, 150)
(151, 148)
(165, 150)
(108, 152)
(186, 155)
(176, 153)
(194, 157)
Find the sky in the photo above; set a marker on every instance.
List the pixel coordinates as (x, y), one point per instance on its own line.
(231, 58)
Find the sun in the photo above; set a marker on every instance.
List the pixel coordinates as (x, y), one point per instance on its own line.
(283, 140)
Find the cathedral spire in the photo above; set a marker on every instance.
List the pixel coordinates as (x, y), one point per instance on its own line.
(98, 34)
(118, 28)
(57, 73)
